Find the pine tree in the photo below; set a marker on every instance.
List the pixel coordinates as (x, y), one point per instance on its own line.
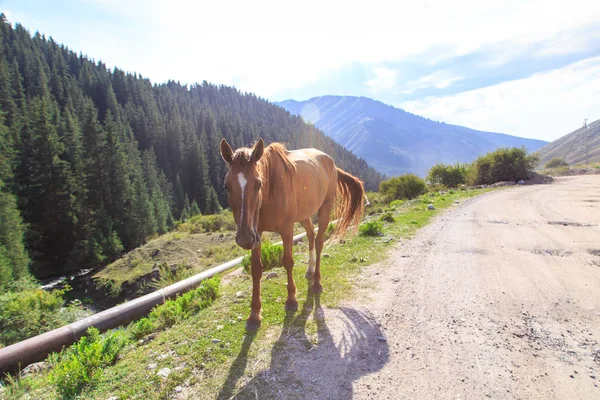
(194, 209)
(179, 196)
(14, 260)
(186, 213)
(48, 206)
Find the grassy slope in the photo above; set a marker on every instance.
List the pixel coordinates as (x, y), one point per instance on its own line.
(211, 356)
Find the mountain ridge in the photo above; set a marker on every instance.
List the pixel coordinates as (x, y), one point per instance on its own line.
(571, 147)
(395, 141)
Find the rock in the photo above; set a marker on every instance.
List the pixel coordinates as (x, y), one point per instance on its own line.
(325, 255)
(362, 260)
(178, 389)
(456, 201)
(503, 183)
(239, 294)
(35, 369)
(219, 327)
(271, 275)
(521, 182)
(163, 356)
(113, 398)
(164, 373)
(382, 339)
(430, 207)
(152, 366)
(216, 340)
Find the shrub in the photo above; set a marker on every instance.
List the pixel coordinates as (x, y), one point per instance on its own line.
(406, 187)
(77, 366)
(34, 311)
(208, 223)
(168, 276)
(504, 164)
(556, 163)
(448, 175)
(271, 256)
(180, 308)
(397, 203)
(435, 188)
(141, 328)
(387, 217)
(376, 209)
(371, 228)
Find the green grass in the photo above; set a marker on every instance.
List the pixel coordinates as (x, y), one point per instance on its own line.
(210, 350)
(271, 257)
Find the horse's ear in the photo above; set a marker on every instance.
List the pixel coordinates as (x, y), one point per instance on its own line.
(226, 151)
(258, 151)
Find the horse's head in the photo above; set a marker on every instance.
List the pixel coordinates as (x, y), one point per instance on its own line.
(243, 183)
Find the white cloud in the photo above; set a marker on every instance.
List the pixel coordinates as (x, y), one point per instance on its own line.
(439, 79)
(546, 106)
(385, 78)
(268, 46)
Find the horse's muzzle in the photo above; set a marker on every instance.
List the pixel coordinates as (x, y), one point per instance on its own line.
(247, 240)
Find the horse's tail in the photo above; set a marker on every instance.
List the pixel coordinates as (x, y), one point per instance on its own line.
(349, 203)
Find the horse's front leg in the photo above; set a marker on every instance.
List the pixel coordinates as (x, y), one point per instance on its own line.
(288, 262)
(253, 321)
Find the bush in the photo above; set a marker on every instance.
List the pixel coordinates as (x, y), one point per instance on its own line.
(449, 176)
(406, 187)
(397, 203)
(387, 217)
(32, 312)
(504, 164)
(556, 163)
(141, 328)
(173, 311)
(78, 364)
(208, 223)
(371, 228)
(271, 256)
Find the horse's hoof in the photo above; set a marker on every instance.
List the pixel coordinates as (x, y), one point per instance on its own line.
(291, 305)
(317, 288)
(252, 324)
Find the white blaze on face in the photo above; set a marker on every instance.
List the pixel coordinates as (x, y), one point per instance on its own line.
(242, 180)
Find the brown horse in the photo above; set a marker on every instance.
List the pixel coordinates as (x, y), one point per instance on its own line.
(269, 189)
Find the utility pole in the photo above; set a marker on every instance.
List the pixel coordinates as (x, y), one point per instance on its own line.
(586, 138)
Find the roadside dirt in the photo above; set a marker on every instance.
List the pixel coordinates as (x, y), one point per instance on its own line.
(498, 298)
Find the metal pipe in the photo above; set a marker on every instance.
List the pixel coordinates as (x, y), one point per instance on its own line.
(37, 348)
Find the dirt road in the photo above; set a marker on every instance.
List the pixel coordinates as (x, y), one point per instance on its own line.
(497, 298)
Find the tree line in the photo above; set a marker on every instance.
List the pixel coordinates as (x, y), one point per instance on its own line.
(93, 161)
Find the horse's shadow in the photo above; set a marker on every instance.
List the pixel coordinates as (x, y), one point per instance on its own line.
(321, 364)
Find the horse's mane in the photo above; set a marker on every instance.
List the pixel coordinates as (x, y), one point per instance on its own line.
(275, 164)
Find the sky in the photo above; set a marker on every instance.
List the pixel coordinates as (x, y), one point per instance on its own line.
(529, 68)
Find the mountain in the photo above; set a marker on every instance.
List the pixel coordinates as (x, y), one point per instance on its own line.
(94, 162)
(395, 141)
(572, 147)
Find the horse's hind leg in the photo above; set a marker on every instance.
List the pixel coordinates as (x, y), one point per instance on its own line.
(288, 262)
(310, 235)
(324, 213)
